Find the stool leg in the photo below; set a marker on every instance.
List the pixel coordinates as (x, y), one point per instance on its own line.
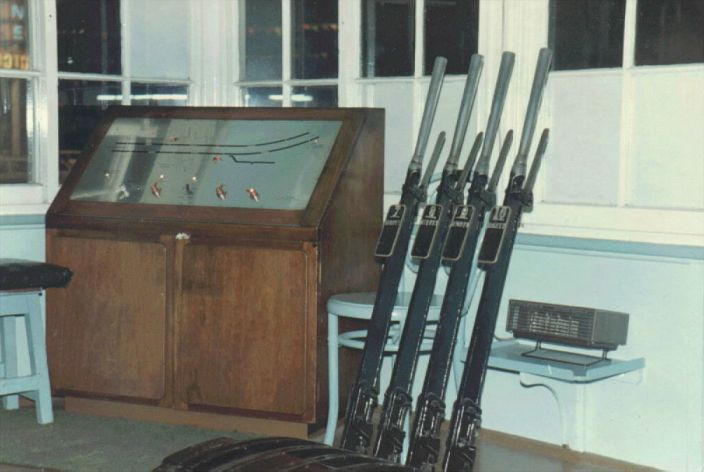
(37, 353)
(333, 382)
(9, 357)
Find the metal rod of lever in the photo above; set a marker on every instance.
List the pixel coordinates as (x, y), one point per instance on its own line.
(466, 105)
(536, 95)
(434, 158)
(535, 166)
(497, 106)
(431, 104)
(503, 154)
(471, 159)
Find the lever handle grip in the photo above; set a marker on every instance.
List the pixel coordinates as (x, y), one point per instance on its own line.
(497, 107)
(431, 104)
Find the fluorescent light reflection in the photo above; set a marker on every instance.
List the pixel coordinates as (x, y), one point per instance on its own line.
(146, 96)
(296, 97)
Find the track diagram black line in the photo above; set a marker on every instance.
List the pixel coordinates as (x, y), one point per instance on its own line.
(295, 144)
(187, 153)
(162, 143)
(249, 162)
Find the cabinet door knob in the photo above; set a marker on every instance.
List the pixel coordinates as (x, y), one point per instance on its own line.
(183, 236)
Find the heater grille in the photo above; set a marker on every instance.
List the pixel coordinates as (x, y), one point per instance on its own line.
(562, 324)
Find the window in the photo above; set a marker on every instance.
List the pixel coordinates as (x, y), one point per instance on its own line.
(389, 31)
(451, 31)
(627, 107)
(98, 68)
(669, 32)
(389, 38)
(587, 34)
(590, 34)
(290, 55)
(16, 94)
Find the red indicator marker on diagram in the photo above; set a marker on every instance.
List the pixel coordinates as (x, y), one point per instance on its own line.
(253, 194)
(156, 190)
(221, 192)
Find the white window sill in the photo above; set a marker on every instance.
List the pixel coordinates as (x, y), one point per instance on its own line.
(22, 199)
(26, 209)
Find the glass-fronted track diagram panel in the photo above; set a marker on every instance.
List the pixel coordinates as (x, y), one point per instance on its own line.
(268, 164)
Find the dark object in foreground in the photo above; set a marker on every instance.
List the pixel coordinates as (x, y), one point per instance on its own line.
(22, 274)
(274, 454)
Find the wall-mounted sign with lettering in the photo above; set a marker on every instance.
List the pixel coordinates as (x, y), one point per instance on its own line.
(14, 34)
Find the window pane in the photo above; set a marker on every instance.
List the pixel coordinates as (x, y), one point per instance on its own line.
(14, 34)
(314, 97)
(14, 148)
(160, 36)
(82, 104)
(669, 32)
(263, 40)
(89, 36)
(451, 31)
(586, 34)
(389, 38)
(262, 96)
(159, 94)
(314, 39)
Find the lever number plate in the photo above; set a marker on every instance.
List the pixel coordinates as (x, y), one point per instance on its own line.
(427, 231)
(463, 217)
(389, 232)
(495, 235)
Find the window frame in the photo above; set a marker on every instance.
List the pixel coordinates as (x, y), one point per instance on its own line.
(34, 197)
(287, 82)
(623, 220)
(125, 79)
(215, 65)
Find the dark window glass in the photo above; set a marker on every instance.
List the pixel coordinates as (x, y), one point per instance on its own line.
(14, 34)
(586, 34)
(389, 38)
(159, 94)
(14, 155)
(451, 31)
(262, 96)
(89, 36)
(669, 32)
(82, 104)
(311, 97)
(263, 40)
(314, 32)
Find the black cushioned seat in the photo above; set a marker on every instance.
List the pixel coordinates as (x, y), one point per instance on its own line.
(18, 274)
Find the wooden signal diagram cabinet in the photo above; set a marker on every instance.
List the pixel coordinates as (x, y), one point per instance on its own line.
(205, 243)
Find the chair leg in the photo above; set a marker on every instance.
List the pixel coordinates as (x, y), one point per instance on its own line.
(37, 352)
(9, 357)
(333, 382)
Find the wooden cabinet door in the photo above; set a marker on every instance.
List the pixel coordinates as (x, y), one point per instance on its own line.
(106, 330)
(245, 340)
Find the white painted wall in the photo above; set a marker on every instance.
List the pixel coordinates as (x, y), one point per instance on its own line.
(654, 419)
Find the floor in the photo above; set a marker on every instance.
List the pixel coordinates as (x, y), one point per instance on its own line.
(88, 443)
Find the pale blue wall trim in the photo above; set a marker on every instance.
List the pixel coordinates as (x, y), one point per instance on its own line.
(17, 220)
(604, 245)
(22, 237)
